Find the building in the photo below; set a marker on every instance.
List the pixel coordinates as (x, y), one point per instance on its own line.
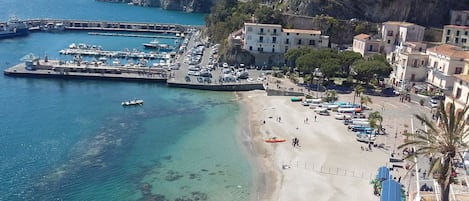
(456, 35)
(444, 61)
(397, 33)
(409, 63)
(460, 17)
(268, 42)
(460, 93)
(365, 45)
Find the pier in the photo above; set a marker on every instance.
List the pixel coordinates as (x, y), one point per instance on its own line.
(34, 67)
(132, 35)
(90, 25)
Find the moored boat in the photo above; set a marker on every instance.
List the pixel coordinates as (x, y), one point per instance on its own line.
(13, 28)
(132, 102)
(275, 140)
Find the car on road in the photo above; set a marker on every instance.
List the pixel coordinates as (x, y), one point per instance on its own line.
(434, 103)
(342, 116)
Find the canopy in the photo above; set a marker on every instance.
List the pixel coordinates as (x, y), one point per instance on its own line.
(383, 173)
(390, 191)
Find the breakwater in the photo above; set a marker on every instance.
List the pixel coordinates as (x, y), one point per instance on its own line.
(90, 25)
(60, 70)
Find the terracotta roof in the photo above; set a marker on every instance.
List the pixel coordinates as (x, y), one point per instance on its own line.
(463, 77)
(456, 27)
(450, 51)
(361, 36)
(264, 25)
(302, 31)
(405, 24)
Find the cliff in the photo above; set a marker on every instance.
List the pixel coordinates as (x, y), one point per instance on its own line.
(200, 6)
(433, 13)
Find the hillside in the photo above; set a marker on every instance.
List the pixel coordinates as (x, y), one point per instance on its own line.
(433, 13)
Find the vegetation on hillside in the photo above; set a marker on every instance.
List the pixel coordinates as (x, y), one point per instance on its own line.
(228, 16)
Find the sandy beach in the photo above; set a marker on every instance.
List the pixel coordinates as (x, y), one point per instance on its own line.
(328, 164)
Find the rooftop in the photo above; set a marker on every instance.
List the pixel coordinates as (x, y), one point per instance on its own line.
(361, 36)
(450, 51)
(302, 31)
(264, 25)
(452, 26)
(405, 24)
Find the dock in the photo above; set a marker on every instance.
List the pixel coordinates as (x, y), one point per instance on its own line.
(132, 35)
(108, 26)
(59, 69)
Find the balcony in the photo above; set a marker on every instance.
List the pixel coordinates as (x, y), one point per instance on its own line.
(260, 33)
(260, 41)
(274, 34)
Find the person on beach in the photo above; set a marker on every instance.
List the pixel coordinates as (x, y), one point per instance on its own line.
(315, 117)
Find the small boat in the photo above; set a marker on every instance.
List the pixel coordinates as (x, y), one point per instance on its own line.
(132, 102)
(365, 138)
(13, 28)
(275, 140)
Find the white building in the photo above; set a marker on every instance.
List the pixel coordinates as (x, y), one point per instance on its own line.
(268, 42)
(460, 94)
(456, 35)
(365, 45)
(444, 61)
(409, 63)
(397, 33)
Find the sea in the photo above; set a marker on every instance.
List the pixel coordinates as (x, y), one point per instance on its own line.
(72, 139)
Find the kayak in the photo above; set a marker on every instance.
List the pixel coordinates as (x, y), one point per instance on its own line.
(275, 140)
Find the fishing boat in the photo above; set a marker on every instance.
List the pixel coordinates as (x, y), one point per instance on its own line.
(155, 44)
(361, 137)
(132, 102)
(275, 140)
(13, 28)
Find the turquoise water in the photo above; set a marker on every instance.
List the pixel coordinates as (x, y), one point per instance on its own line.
(71, 139)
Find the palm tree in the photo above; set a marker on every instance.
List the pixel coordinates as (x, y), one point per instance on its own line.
(443, 142)
(364, 100)
(358, 91)
(376, 116)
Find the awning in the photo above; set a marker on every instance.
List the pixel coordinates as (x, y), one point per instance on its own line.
(383, 173)
(390, 191)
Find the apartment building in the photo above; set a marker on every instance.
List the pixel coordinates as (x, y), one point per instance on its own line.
(456, 35)
(460, 17)
(444, 61)
(409, 63)
(397, 33)
(268, 42)
(459, 95)
(365, 45)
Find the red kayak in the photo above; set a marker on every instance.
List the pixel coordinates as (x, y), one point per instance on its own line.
(275, 140)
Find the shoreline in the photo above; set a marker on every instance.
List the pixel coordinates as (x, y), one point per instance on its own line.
(328, 165)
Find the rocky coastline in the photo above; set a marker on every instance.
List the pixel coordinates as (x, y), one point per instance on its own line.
(191, 6)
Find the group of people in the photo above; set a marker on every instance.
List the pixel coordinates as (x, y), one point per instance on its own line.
(295, 142)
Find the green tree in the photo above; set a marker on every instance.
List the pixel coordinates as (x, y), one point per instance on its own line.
(444, 142)
(364, 100)
(264, 14)
(376, 117)
(308, 63)
(329, 67)
(347, 58)
(293, 54)
(367, 70)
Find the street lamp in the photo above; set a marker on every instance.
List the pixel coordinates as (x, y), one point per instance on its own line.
(316, 75)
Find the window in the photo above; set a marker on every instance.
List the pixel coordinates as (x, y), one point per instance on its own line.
(457, 33)
(463, 40)
(288, 34)
(389, 41)
(465, 33)
(274, 39)
(458, 70)
(456, 40)
(286, 48)
(287, 41)
(447, 39)
(275, 31)
(412, 77)
(273, 50)
(435, 65)
(414, 64)
(390, 33)
(312, 42)
(261, 39)
(458, 93)
(249, 29)
(260, 49)
(250, 48)
(448, 32)
(262, 30)
(370, 48)
(299, 41)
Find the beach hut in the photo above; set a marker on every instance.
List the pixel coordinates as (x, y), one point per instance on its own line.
(390, 191)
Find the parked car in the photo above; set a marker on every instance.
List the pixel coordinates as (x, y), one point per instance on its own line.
(434, 103)
(324, 112)
(342, 117)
